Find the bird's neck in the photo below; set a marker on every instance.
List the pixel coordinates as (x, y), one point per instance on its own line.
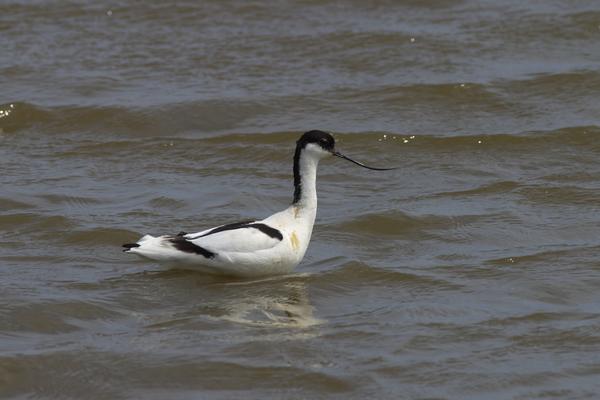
(305, 181)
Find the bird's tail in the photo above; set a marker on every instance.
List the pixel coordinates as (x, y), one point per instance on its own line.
(129, 246)
(132, 247)
(157, 248)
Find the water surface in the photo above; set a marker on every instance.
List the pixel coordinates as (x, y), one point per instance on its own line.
(472, 272)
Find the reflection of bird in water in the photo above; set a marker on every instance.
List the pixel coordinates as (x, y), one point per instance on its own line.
(274, 245)
(271, 302)
(196, 299)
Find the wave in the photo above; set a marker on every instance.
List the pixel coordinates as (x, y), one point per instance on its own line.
(392, 224)
(41, 317)
(99, 236)
(164, 120)
(535, 101)
(33, 222)
(201, 118)
(351, 274)
(12, 204)
(550, 255)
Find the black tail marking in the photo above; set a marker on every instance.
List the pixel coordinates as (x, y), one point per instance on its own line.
(129, 246)
(180, 243)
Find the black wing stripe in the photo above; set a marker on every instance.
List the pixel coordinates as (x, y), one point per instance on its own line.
(228, 227)
(266, 229)
(186, 246)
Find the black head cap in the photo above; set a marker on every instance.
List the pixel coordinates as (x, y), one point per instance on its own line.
(320, 138)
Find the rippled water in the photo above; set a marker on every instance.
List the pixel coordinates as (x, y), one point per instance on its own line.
(472, 272)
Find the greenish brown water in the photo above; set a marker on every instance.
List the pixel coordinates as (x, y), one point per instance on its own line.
(473, 272)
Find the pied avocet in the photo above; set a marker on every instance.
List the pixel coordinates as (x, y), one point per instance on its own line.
(274, 245)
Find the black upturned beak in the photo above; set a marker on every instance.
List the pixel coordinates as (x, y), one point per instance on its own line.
(340, 155)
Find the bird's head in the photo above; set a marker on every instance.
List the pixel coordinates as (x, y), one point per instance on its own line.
(321, 144)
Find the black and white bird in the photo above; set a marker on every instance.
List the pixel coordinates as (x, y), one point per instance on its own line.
(274, 245)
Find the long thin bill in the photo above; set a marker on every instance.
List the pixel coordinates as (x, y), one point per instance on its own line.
(340, 155)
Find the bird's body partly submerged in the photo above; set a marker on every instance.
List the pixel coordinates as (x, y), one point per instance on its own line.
(272, 246)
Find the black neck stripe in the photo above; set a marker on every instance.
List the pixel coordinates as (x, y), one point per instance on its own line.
(297, 177)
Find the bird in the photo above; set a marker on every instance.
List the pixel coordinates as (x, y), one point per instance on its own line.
(253, 248)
